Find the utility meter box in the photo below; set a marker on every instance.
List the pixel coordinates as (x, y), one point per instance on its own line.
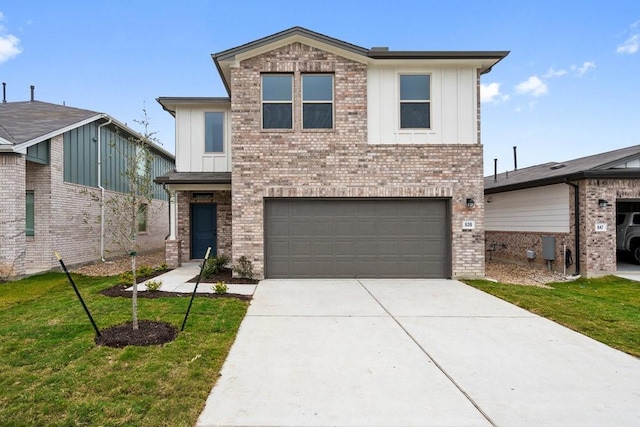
(549, 248)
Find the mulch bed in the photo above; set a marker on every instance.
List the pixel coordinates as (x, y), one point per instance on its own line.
(148, 333)
(157, 333)
(226, 275)
(119, 291)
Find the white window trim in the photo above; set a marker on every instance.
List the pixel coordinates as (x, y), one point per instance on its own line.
(332, 102)
(224, 133)
(399, 102)
(291, 102)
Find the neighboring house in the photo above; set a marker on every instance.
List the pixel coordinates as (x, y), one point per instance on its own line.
(572, 204)
(332, 160)
(49, 196)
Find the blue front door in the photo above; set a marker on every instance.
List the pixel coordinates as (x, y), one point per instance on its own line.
(204, 229)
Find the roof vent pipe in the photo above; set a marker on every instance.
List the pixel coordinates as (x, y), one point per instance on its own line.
(4, 93)
(32, 92)
(515, 158)
(495, 169)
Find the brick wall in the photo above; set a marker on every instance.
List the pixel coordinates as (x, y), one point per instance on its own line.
(513, 247)
(599, 253)
(12, 215)
(222, 199)
(597, 248)
(340, 162)
(67, 218)
(39, 247)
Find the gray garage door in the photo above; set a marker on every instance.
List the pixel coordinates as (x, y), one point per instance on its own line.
(357, 238)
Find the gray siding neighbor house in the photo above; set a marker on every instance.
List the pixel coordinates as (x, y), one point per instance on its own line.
(49, 157)
(533, 214)
(327, 159)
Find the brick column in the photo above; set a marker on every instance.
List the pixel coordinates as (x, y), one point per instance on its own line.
(12, 215)
(172, 253)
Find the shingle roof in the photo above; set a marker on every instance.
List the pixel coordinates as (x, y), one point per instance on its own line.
(595, 166)
(24, 121)
(224, 59)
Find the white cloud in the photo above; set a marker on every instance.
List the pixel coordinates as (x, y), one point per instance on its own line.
(554, 73)
(586, 66)
(9, 44)
(532, 86)
(632, 43)
(491, 93)
(9, 47)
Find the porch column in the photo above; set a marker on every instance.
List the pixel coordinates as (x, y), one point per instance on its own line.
(173, 215)
(173, 246)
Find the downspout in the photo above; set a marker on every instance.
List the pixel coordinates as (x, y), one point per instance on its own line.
(101, 187)
(576, 220)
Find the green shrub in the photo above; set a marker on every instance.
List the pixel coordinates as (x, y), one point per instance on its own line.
(214, 265)
(244, 269)
(153, 285)
(126, 278)
(162, 267)
(145, 271)
(220, 288)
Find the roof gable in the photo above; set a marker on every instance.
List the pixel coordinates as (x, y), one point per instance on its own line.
(23, 122)
(226, 59)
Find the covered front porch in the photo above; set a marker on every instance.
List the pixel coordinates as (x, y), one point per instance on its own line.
(200, 215)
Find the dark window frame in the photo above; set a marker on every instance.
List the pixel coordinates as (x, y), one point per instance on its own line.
(30, 213)
(317, 102)
(271, 104)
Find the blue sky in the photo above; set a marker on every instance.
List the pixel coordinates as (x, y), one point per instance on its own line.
(570, 86)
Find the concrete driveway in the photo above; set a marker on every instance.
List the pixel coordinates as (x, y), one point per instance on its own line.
(413, 353)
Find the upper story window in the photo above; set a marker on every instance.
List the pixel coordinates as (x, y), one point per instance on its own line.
(317, 101)
(277, 101)
(415, 100)
(213, 132)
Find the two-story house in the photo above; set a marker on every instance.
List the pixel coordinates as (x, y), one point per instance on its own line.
(332, 160)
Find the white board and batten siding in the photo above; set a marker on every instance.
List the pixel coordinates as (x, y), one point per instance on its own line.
(190, 136)
(541, 209)
(453, 106)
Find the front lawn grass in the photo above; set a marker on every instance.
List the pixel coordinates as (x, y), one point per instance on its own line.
(52, 373)
(606, 309)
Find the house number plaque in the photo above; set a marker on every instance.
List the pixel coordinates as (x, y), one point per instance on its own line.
(468, 224)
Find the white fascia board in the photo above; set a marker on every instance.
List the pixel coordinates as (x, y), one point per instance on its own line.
(428, 63)
(22, 147)
(299, 39)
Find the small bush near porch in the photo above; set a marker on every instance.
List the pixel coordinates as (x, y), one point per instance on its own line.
(606, 309)
(52, 373)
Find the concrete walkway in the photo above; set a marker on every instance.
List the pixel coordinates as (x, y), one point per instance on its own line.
(413, 353)
(177, 280)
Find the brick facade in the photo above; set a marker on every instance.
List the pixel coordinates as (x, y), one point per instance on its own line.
(340, 162)
(599, 253)
(12, 215)
(66, 217)
(597, 248)
(185, 199)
